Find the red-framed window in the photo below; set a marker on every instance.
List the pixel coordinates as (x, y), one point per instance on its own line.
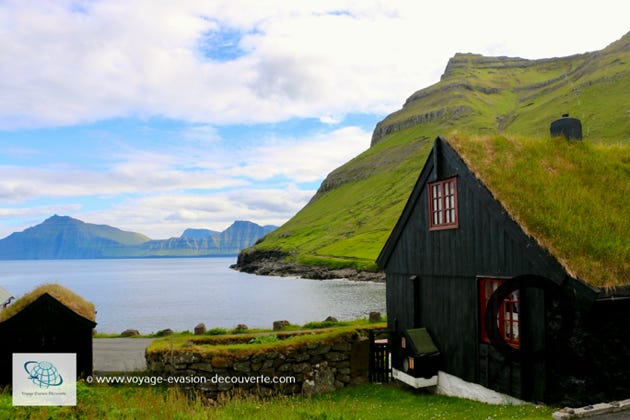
(443, 204)
(508, 321)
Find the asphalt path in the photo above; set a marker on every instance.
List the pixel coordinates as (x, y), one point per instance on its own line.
(119, 354)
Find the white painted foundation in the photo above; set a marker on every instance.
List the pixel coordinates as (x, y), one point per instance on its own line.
(457, 387)
(414, 382)
(446, 384)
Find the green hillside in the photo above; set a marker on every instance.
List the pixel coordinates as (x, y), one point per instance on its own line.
(348, 220)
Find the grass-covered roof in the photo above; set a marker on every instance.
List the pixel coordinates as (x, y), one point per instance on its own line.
(67, 297)
(572, 197)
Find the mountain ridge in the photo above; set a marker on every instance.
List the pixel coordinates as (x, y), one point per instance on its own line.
(351, 215)
(63, 237)
(465, 71)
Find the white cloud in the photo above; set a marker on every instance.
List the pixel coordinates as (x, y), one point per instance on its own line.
(202, 133)
(182, 185)
(19, 184)
(36, 212)
(69, 62)
(168, 215)
(304, 159)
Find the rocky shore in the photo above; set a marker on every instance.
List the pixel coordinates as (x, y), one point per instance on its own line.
(275, 263)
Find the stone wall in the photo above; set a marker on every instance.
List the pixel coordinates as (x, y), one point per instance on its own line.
(593, 364)
(316, 367)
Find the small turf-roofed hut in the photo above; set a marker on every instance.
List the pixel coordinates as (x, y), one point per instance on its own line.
(49, 319)
(514, 255)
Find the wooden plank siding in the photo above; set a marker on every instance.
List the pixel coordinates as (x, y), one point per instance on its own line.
(447, 264)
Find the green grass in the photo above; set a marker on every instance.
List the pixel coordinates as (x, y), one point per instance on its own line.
(348, 221)
(360, 402)
(347, 225)
(361, 322)
(573, 197)
(234, 346)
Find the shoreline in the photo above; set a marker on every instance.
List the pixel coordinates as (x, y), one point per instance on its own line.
(274, 263)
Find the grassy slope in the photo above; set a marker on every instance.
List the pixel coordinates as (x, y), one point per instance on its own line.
(346, 226)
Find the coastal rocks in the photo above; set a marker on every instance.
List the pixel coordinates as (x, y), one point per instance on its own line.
(274, 263)
(200, 329)
(375, 317)
(280, 325)
(129, 333)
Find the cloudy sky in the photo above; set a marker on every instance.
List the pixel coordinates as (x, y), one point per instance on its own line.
(154, 116)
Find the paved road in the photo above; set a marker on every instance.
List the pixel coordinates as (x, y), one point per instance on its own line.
(623, 415)
(119, 354)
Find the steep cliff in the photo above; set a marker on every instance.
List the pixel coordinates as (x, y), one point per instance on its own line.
(348, 220)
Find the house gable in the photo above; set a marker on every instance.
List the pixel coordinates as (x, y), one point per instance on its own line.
(46, 325)
(433, 275)
(487, 240)
(47, 313)
(559, 329)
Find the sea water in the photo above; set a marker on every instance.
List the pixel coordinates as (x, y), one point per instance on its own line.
(178, 293)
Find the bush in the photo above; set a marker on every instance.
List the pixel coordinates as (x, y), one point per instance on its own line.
(264, 339)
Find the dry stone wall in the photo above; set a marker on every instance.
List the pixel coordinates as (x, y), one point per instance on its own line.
(306, 368)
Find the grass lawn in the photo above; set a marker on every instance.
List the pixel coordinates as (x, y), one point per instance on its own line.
(360, 402)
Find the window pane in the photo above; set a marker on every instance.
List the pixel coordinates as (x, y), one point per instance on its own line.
(442, 203)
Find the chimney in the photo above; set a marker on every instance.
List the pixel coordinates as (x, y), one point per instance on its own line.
(567, 127)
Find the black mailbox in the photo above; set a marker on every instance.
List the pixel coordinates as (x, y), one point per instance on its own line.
(421, 358)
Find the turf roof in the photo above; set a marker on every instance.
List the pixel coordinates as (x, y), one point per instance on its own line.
(67, 297)
(572, 197)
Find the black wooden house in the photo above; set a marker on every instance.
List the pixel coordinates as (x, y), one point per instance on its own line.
(500, 307)
(50, 319)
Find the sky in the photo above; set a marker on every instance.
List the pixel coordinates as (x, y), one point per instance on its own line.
(156, 116)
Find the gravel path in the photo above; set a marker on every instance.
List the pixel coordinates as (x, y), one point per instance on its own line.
(119, 354)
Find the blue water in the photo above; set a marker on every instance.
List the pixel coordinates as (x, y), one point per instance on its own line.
(178, 293)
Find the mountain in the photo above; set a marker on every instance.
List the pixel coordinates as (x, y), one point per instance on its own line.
(229, 242)
(198, 233)
(347, 222)
(62, 237)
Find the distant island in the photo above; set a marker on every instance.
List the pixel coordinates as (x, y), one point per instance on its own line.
(63, 237)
